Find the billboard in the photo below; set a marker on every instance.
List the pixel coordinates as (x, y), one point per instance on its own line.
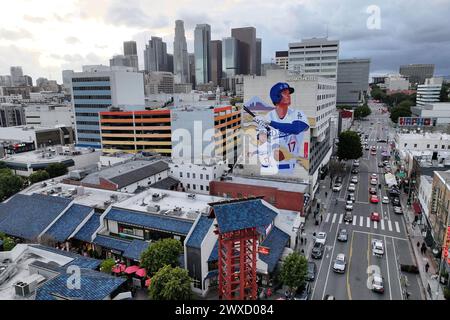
(415, 121)
(277, 134)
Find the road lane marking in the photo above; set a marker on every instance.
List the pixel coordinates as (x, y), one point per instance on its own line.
(377, 234)
(382, 224)
(349, 291)
(387, 263)
(328, 217)
(390, 225)
(361, 221)
(340, 218)
(329, 266)
(375, 224)
(397, 269)
(397, 227)
(354, 220)
(368, 222)
(334, 218)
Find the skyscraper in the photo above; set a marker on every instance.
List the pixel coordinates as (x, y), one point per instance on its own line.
(258, 56)
(216, 61)
(130, 51)
(202, 38)
(247, 49)
(155, 55)
(230, 55)
(170, 63)
(180, 54)
(191, 66)
(16, 75)
(352, 81)
(417, 73)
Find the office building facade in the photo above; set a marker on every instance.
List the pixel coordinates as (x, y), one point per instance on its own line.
(258, 56)
(247, 49)
(16, 75)
(12, 115)
(429, 92)
(180, 54)
(417, 73)
(202, 39)
(156, 82)
(282, 59)
(216, 62)
(155, 55)
(315, 56)
(129, 48)
(352, 81)
(230, 57)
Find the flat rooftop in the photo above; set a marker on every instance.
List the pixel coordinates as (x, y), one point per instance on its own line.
(279, 184)
(49, 154)
(426, 135)
(191, 205)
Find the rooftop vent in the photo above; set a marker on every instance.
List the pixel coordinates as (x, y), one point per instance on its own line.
(153, 208)
(191, 196)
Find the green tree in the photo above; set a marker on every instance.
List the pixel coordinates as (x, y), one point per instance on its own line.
(400, 112)
(3, 165)
(170, 284)
(406, 104)
(162, 252)
(38, 176)
(9, 185)
(445, 90)
(293, 271)
(362, 111)
(8, 244)
(56, 170)
(107, 265)
(349, 146)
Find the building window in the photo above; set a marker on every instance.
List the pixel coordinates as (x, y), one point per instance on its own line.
(207, 176)
(188, 185)
(428, 146)
(201, 176)
(207, 188)
(194, 187)
(442, 147)
(435, 146)
(188, 175)
(415, 145)
(405, 144)
(193, 176)
(181, 174)
(201, 187)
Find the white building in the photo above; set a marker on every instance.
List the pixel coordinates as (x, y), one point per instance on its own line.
(396, 83)
(429, 92)
(425, 190)
(196, 178)
(49, 115)
(282, 59)
(438, 111)
(157, 82)
(318, 56)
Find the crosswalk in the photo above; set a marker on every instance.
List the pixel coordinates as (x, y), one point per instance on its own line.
(379, 147)
(365, 222)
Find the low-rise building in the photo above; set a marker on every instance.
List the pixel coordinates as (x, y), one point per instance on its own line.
(395, 83)
(438, 112)
(429, 92)
(49, 115)
(40, 136)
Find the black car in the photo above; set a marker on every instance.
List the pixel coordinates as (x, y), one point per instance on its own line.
(311, 273)
(355, 170)
(303, 292)
(396, 202)
(348, 217)
(338, 180)
(380, 165)
(372, 190)
(317, 250)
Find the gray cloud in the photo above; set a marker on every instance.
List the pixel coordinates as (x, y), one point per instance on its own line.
(15, 34)
(132, 15)
(72, 40)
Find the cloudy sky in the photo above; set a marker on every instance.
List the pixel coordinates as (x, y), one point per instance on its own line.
(47, 36)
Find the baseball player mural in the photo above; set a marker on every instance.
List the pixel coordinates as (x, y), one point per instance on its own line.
(280, 134)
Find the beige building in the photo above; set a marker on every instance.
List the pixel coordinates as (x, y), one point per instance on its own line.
(440, 206)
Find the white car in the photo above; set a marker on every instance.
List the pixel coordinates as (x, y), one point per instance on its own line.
(385, 200)
(373, 182)
(356, 163)
(349, 205)
(321, 238)
(374, 176)
(377, 247)
(354, 179)
(377, 283)
(351, 187)
(339, 263)
(337, 187)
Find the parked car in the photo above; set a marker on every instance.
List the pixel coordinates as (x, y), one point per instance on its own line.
(373, 182)
(303, 292)
(354, 179)
(374, 199)
(351, 187)
(377, 283)
(372, 190)
(342, 235)
(337, 187)
(375, 216)
(355, 171)
(374, 176)
(321, 237)
(377, 247)
(356, 163)
(317, 250)
(349, 205)
(348, 217)
(339, 263)
(385, 200)
(367, 148)
(311, 273)
(351, 197)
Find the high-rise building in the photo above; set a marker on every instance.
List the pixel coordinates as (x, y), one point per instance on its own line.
(155, 55)
(216, 62)
(202, 38)
(129, 48)
(318, 56)
(352, 81)
(170, 62)
(417, 73)
(156, 82)
(282, 59)
(67, 80)
(5, 81)
(429, 92)
(12, 115)
(230, 57)
(28, 81)
(258, 56)
(120, 61)
(191, 68)
(16, 75)
(180, 54)
(114, 88)
(247, 49)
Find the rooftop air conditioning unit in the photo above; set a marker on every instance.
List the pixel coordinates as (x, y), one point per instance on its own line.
(114, 197)
(191, 196)
(22, 289)
(153, 209)
(156, 197)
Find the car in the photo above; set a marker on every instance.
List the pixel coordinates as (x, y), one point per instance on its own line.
(396, 202)
(381, 140)
(337, 187)
(354, 179)
(356, 163)
(342, 235)
(367, 148)
(373, 148)
(398, 210)
(373, 182)
(374, 199)
(317, 250)
(377, 283)
(377, 247)
(348, 205)
(355, 171)
(321, 237)
(339, 263)
(374, 176)
(380, 165)
(303, 292)
(338, 179)
(375, 216)
(372, 190)
(348, 217)
(329, 297)
(311, 271)
(385, 200)
(351, 187)
(351, 197)
(373, 152)
(385, 163)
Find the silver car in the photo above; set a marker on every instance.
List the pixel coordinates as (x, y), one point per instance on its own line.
(339, 263)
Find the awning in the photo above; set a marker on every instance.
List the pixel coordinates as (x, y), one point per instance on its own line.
(131, 269)
(417, 208)
(147, 282)
(119, 268)
(212, 274)
(141, 273)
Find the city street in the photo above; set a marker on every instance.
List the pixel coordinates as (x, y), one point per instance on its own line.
(361, 263)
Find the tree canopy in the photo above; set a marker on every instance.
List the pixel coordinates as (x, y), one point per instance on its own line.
(9, 184)
(162, 252)
(107, 265)
(56, 170)
(170, 284)
(362, 111)
(400, 111)
(349, 146)
(293, 271)
(38, 176)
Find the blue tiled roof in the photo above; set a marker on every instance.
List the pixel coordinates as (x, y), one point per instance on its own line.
(94, 286)
(151, 221)
(112, 243)
(276, 241)
(200, 231)
(86, 231)
(243, 214)
(214, 256)
(27, 216)
(71, 219)
(135, 249)
(79, 260)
